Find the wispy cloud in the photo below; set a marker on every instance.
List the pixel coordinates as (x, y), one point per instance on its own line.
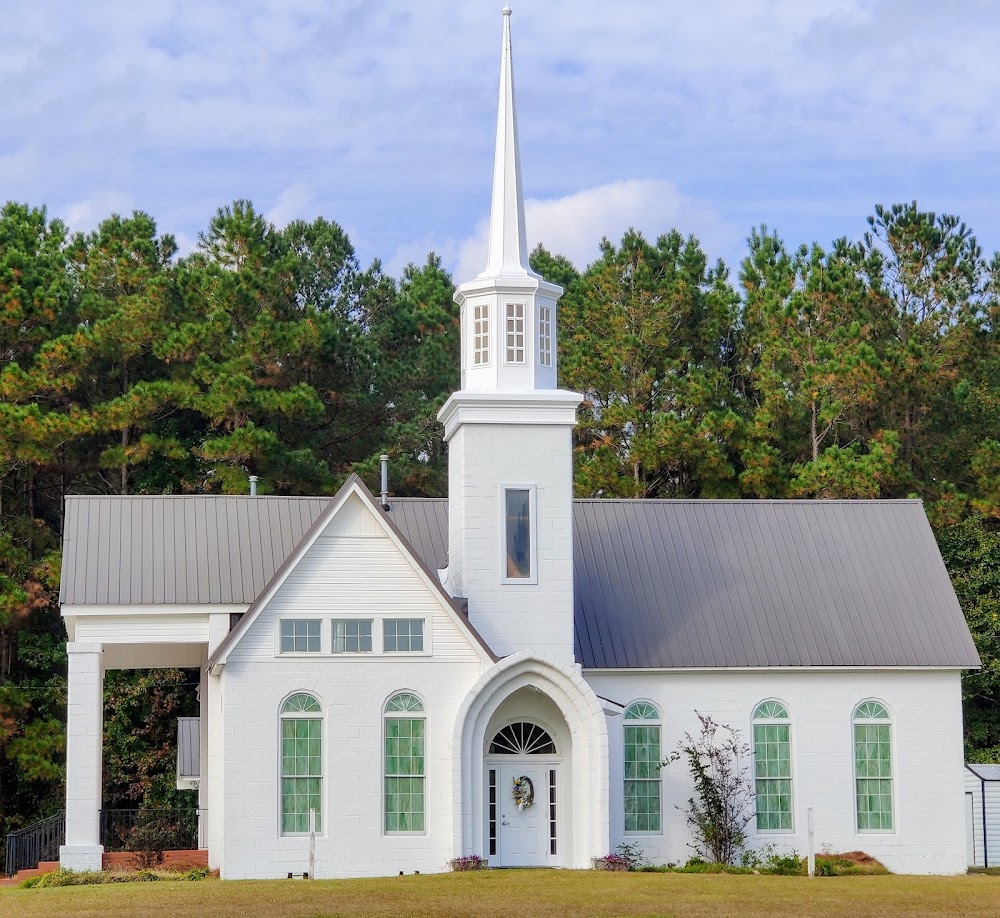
(380, 113)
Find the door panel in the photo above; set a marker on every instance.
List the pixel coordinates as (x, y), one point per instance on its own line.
(524, 835)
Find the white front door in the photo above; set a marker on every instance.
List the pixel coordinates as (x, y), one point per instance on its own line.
(524, 835)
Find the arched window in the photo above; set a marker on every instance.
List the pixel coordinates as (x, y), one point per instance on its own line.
(404, 763)
(772, 767)
(873, 767)
(642, 768)
(522, 738)
(301, 764)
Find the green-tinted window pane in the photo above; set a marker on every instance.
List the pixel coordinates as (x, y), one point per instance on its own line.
(404, 768)
(641, 710)
(873, 767)
(301, 767)
(642, 778)
(773, 774)
(404, 804)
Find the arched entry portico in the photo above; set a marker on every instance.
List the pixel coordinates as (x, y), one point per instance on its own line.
(570, 770)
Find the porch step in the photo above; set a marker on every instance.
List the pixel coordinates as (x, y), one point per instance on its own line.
(118, 860)
(43, 867)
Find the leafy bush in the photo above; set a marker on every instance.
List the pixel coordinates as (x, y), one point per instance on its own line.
(468, 862)
(768, 859)
(625, 857)
(721, 809)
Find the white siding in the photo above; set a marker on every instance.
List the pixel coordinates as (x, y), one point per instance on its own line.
(984, 795)
(143, 627)
(929, 805)
(355, 575)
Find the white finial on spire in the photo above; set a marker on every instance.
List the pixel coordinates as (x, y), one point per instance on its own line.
(508, 247)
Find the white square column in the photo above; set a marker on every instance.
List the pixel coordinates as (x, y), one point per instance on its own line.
(84, 742)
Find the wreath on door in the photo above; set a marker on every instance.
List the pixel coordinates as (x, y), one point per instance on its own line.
(524, 793)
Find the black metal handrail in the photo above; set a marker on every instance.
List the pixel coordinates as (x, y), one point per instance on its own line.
(28, 847)
(147, 829)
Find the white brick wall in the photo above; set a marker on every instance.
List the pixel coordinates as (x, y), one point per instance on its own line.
(483, 458)
(930, 835)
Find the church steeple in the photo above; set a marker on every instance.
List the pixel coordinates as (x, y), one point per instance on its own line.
(509, 433)
(508, 248)
(508, 311)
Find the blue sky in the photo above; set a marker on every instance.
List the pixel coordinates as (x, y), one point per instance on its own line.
(711, 117)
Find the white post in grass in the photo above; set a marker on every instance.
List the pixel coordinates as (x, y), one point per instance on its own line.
(812, 842)
(312, 844)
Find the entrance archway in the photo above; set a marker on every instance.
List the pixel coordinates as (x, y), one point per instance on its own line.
(559, 708)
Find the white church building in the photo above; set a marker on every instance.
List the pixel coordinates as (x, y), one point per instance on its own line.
(501, 672)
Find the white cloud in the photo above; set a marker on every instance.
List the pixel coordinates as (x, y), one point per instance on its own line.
(295, 202)
(87, 213)
(574, 225)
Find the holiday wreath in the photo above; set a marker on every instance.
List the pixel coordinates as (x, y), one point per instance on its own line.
(524, 793)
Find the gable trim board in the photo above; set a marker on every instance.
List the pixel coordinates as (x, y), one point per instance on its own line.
(353, 486)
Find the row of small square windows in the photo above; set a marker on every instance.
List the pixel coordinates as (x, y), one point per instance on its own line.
(514, 334)
(351, 635)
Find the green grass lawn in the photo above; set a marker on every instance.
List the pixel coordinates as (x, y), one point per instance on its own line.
(524, 893)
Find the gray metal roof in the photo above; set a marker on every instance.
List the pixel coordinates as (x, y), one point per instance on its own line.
(704, 583)
(658, 583)
(183, 549)
(985, 772)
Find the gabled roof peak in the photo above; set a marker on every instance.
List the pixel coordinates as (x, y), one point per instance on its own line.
(508, 245)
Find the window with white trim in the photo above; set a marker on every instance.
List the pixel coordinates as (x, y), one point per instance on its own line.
(299, 635)
(642, 768)
(873, 767)
(403, 635)
(545, 336)
(772, 766)
(301, 764)
(481, 334)
(404, 763)
(351, 635)
(515, 333)
(517, 534)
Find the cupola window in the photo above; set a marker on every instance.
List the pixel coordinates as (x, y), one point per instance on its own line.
(481, 335)
(515, 333)
(545, 336)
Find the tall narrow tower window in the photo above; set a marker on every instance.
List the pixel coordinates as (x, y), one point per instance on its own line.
(481, 344)
(515, 333)
(517, 547)
(545, 336)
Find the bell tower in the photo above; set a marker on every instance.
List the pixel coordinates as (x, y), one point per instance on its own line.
(509, 431)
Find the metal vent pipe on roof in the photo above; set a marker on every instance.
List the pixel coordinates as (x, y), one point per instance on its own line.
(253, 485)
(384, 463)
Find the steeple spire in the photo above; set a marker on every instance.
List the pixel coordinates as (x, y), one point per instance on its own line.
(508, 249)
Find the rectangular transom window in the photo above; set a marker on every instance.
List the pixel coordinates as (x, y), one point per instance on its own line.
(404, 774)
(515, 333)
(545, 336)
(403, 635)
(300, 635)
(352, 635)
(773, 776)
(481, 335)
(517, 535)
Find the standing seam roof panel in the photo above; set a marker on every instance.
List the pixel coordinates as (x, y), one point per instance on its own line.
(666, 584)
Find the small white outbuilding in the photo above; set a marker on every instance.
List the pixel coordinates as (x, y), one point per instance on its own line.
(982, 812)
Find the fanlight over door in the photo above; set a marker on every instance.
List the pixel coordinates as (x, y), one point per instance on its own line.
(522, 738)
